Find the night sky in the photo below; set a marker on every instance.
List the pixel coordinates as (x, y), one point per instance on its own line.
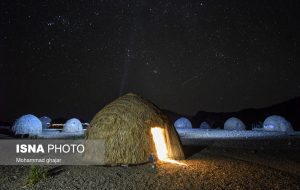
(70, 58)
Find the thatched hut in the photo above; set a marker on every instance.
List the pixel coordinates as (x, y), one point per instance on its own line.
(125, 128)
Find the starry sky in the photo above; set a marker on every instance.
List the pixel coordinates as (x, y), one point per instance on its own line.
(70, 58)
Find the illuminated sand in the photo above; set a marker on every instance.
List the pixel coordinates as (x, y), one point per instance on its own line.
(208, 169)
(59, 134)
(220, 133)
(203, 137)
(192, 135)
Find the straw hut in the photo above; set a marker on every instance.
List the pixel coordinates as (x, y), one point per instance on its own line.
(124, 126)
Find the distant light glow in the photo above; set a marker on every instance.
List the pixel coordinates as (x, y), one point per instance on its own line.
(269, 126)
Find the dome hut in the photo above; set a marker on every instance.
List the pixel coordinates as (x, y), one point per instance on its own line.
(73, 126)
(183, 123)
(132, 130)
(277, 123)
(204, 125)
(27, 124)
(234, 123)
(46, 121)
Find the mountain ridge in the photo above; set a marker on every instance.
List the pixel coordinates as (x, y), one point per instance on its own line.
(289, 109)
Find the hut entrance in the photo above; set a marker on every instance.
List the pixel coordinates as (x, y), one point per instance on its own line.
(159, 139)
(160, 142)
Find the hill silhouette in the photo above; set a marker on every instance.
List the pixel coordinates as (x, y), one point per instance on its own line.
(289, 109)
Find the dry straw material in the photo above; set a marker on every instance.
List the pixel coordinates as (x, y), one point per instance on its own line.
(125, 125)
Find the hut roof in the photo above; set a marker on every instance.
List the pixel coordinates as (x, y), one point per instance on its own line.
(124, 126)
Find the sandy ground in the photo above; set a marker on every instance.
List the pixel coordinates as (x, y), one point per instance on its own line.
(211, 168)
(212, 164)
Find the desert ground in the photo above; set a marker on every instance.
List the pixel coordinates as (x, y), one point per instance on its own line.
(214, 166)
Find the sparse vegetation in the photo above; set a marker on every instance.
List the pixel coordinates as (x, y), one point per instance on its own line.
(36, 173)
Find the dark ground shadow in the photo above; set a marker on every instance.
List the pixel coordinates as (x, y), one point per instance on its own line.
(190, 150)
(55, 171)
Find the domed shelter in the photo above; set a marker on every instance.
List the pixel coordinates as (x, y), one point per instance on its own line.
(132, 130)
(73, 126)
(204, 125)
(183, 123)
(27, 124)
(277, 123)
(234, 123)
(46, 121)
